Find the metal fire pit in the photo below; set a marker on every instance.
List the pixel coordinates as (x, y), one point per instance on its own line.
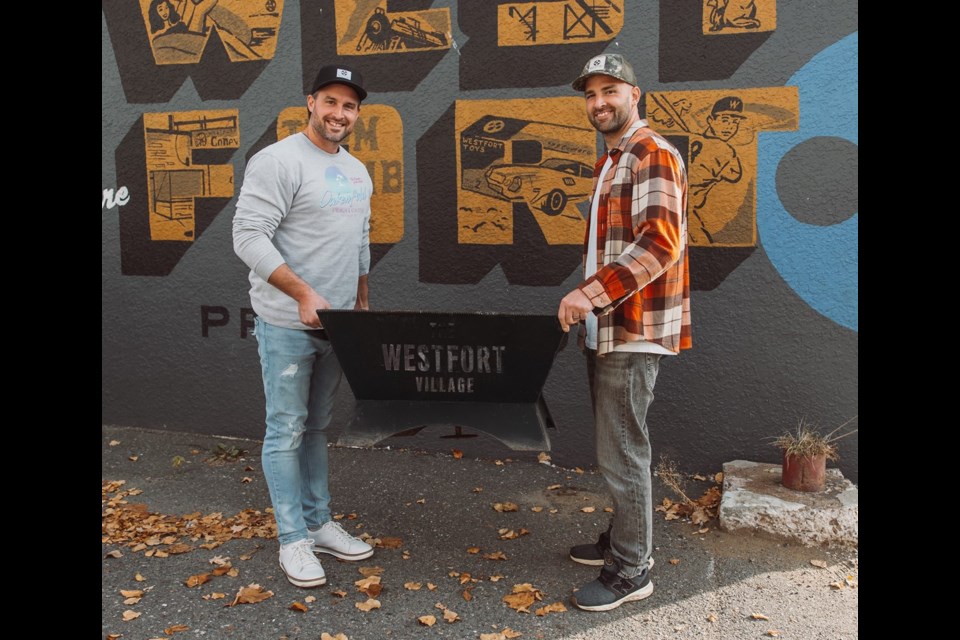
(484, 371)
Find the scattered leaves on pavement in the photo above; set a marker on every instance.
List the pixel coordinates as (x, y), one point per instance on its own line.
(522, 597)
(510, 534)
(130, 614)
(370, 586)
(176, 629)
(197, 580)
(390, 542)
(506, 634)
(674, 561)
(310, 599)
(114, 554)
(299, 606)
(473, 550)
(327, 636)
(412, 586)
(773, 633)
(496, 555)
(554, 487)
(457, 454)
(431, 586)
(468, 593)
(131, 593)
(250, 594)
(339, 593)
(427, 621)
(370, 571)
(588, 509)
(536, 509)
(504, 507)
(369, 605)
(139, 578)
(758, 616)
(216, 595)
(450, 616)
(543, 458)
(556, 607)
(478, 489)
(114, 443)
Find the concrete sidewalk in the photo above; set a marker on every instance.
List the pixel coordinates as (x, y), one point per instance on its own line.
(711, 585)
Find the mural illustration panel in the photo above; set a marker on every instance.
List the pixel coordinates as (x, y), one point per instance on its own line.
(179, 29)
(366, 27)
(736, 16)
(536, 153)
(539, 23)
(721, 128)
(175, 180)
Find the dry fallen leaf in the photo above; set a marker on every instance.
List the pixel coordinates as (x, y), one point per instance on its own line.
(588, 509)
(197, 580)
(553, 487)
(773, 633)
(758, 616)
(299, 606)
(130, 614)
(503, 507)
(496, 578)
(405, 555)
(431, 586)
(699, 477)
(450, 616)
(114, 636)
(543, 458)
(496, 555)
(499, 463)
(246, 480)
(536, 509)
(327, 636)
(718, 478)
(674, 561)
(422, 501)
(578, 470)
(370, 571)
(216, 595)
(233, 573)
(427, 621)
(310, 599)
(478, 489)
(711, 618)
(837, 585)
(219, 560)
(369, 605)
(608, 509)
(133, 458)
(370, 586)
(440, 605)
(175, 629)
(222, 570)
(819, 563)
(412, 586)
(457, 454)
(473, 549)
(114, 443)
(556, 607)
(554, 510)
(114, 554)
(139, 578)
(468, 594)
(131, 601)
(522, 597)
(390, 542)
(251, 594)
(132, 593)
(180, 547)
(339, 593)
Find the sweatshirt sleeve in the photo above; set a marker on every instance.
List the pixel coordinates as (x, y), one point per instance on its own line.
(265, 198)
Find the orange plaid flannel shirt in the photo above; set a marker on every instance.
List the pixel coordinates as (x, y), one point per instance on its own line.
(641, 290)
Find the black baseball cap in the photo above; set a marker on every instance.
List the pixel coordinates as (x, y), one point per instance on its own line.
(339, 74)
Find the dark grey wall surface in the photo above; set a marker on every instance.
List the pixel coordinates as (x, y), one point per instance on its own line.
(775, 317)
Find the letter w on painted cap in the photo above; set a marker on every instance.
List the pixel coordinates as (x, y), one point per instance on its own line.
(607, 64)
(340, 74)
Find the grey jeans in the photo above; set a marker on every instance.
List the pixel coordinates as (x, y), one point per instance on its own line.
(621, 388)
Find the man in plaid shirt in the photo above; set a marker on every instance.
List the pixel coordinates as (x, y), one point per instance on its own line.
(634, 304)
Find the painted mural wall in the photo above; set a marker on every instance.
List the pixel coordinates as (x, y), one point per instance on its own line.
(481, 159)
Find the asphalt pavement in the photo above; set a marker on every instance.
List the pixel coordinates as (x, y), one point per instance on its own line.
(178, 505)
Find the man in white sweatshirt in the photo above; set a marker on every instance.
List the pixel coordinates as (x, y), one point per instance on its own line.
(303, 227)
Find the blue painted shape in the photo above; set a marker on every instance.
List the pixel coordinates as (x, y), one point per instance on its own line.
(821, 264)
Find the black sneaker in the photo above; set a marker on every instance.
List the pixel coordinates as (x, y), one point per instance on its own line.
(592, 554)
(610, 590)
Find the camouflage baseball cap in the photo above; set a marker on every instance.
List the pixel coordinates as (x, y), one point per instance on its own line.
(607, 64)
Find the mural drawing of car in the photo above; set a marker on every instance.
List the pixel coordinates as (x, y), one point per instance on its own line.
(547, 186)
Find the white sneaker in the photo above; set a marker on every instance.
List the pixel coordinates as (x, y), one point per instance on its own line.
(332, 539)
(302, 568)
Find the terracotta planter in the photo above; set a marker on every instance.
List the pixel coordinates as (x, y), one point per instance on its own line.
(804, 473)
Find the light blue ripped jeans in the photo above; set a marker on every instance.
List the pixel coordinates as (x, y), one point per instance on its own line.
(300, 380)
(621, 388)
